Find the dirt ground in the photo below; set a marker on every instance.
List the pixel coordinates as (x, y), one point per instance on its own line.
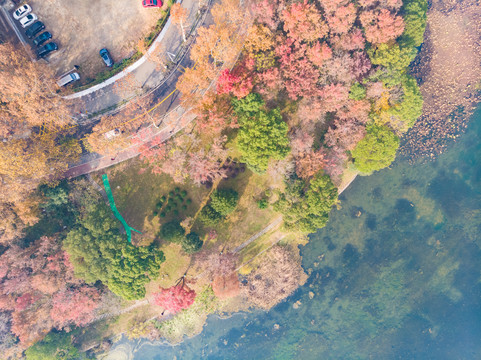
(82, 27)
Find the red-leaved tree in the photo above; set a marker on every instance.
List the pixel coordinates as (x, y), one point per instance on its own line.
(175, 298)
(74, 306)
(381, 26)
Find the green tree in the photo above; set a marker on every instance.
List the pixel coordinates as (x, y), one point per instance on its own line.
(395, 61)
(377, 150)
(414, 14)
(209, 216)
(411, 106)
(262, 134)
(224, 201)
(99, 252)
(54, 346)
(357, 92)
(172, 232)
(306, 206)
(192, 243)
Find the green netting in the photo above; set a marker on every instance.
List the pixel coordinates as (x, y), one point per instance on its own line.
(108, 190)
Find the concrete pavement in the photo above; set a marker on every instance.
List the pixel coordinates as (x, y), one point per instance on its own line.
(147, 72)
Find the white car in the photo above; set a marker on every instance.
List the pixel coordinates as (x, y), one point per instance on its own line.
(28, 20)
(22, 11)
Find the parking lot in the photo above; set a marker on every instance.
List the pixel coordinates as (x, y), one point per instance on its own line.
(82, 27)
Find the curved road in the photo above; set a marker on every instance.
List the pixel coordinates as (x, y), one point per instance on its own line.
(165, 106)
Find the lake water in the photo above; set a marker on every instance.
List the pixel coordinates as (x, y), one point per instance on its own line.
(395, 275)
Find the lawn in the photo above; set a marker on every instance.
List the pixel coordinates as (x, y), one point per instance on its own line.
(138, 192)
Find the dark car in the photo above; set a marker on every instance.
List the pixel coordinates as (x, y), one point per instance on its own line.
(46, 49)
(34, 29)
(104, 54)
(39, 40)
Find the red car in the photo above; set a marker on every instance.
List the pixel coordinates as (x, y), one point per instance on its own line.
(151, 3)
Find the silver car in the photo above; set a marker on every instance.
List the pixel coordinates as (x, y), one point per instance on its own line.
(28, 20)
(22, 11)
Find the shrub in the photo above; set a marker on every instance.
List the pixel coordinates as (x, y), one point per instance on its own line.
(224, 201)
(162, 214)
(172, 232)
(176, 212)
(184, 207)
(188, 201)
(262, 204)
(192, 243)
(168, 208)
(171, 193)
(209, 216)
(177, 190)
(163, 198)
(183, 193)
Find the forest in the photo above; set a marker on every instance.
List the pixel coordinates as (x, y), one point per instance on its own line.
(296, 97)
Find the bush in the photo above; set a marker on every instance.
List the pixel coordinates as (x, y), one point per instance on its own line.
(162, 214)
(184, 207)
(188, 201)
(171, 193)
(168, 208)
(262, 204)
(192, 243)
(178, 197)
(163, 198)
(177, 190)
(176, 212)
(224, 201)
(183, 193)
(209, 216)
(172, 232)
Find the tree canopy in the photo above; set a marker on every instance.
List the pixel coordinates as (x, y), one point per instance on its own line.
(172, 232)
(306, 206)
(224, 201)
(99, 252)
(54, 346)
(377, 150)
(262, 134)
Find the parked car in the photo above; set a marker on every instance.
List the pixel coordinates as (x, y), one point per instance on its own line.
(67, 79)
(104, 54)
(39, 40)
(151, 3)
(28, 20)
(21, 11)
(34, 29)
(46, 49)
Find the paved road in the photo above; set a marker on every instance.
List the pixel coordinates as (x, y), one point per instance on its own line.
(169, 119)
(147, 73)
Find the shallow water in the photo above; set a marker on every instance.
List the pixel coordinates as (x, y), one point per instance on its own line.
(395, 275)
